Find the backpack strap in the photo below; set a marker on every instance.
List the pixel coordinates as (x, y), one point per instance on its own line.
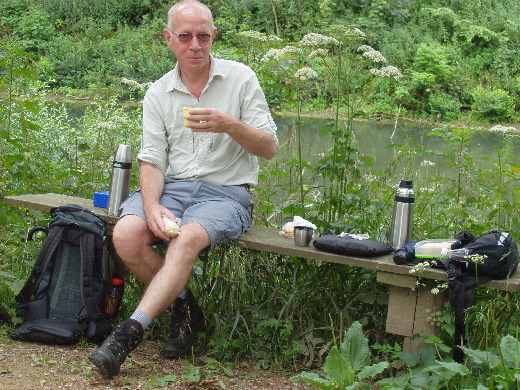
(87, 263)
(93, 311)
(45, 255)
(461, 293)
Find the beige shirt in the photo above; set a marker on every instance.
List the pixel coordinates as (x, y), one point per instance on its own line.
(213, 157)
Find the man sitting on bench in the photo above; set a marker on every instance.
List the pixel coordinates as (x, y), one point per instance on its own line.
(198, 176)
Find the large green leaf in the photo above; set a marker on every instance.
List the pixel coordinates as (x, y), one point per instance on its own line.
(316, 380)
(355, 347)
(510, 348)
(338, 368)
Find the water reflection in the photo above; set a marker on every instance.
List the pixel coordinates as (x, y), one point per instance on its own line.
(381, 141)
(384, 141)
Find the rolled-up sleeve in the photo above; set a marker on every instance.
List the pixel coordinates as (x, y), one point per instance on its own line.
(154, 143)
(254, 110)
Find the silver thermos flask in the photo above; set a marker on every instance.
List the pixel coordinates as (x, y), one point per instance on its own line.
(120, 184)
(402, 217)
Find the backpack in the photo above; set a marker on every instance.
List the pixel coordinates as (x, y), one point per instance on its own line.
(498, 260)
(62, 297)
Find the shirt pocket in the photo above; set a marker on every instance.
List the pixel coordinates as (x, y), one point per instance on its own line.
(180, 141)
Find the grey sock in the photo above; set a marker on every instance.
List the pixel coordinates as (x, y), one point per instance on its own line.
(141, 317)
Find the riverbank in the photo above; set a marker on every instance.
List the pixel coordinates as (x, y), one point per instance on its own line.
(83, 98)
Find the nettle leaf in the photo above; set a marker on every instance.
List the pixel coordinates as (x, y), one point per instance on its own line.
(372, 371)
(480, 357)
(454, 368)
(338, 368)
(355, 347)
(316, 380)
(510, 348)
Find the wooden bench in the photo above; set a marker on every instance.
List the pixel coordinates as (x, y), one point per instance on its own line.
(409, 306)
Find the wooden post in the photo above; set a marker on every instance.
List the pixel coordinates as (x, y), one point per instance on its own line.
(411, 308)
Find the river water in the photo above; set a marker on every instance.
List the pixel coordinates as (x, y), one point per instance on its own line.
(383, 141)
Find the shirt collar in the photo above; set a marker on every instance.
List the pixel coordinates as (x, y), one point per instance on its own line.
(176, 82)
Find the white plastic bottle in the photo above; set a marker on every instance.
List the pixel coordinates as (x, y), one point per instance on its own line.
(455, 253)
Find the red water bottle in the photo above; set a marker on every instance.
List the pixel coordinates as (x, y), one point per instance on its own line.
(113, 297)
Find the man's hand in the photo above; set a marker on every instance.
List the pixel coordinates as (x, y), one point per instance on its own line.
(155, 217)
(151, 181)
(210, 120)
(257, 142)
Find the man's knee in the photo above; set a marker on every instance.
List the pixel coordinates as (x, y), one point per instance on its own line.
(195, 236)
(128, 231)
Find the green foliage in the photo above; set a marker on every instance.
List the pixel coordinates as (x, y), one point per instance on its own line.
(433, 59)
(498, 369)
(494, 105)
(33, 28)
(288, 314)
(446, 47)
(443, 107)
(346, 368)
(82, 65)
(114, 12)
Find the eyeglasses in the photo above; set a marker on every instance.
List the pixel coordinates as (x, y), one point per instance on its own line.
(185, 37)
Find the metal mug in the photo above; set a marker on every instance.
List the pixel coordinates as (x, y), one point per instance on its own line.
(303, 235)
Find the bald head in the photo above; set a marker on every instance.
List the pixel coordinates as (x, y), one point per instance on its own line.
(186, 8)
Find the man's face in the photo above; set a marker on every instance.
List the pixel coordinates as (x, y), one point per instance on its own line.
(191, 38)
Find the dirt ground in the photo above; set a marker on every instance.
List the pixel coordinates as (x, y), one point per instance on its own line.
(29, 366)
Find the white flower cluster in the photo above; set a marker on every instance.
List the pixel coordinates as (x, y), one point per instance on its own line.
(439, 288)
(108, 125)
(427, 163)
(306, 73)
(280, 54)
(388, 71)
(372, 54)
(476, 258)
(113, 123)
(318, 53)
(356, 31)
(258, 36)
(135, 84)
(435, 317)
(315, 39)
(502, 129)
(365, 48)
(420, 267)
(370, 177)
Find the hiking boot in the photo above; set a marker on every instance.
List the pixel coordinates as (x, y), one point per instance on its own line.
(187, 319)
(111, 354)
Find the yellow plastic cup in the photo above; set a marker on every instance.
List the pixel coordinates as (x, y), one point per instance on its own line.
(185, 112)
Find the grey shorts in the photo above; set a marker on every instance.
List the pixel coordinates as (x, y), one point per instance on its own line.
(224, 211)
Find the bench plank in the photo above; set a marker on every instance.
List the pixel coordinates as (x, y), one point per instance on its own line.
(269, 240)
(45, 202)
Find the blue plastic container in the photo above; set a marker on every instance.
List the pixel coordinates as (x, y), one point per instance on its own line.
(101, 199)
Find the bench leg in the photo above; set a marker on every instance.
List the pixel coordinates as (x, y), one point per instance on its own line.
(410, 313)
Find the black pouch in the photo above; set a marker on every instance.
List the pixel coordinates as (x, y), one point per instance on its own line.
(351, 246)
(50, 331)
